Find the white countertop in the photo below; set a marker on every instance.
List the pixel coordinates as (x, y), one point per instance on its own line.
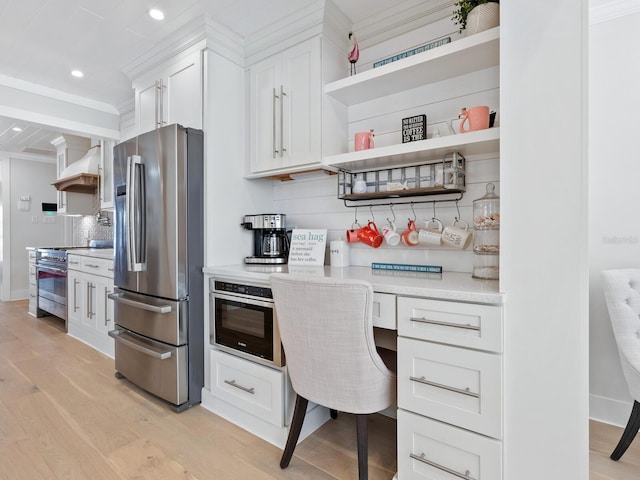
(107, 253)
(459, 287)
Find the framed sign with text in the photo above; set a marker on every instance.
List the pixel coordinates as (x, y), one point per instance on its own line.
(414, 128)
(307, 247)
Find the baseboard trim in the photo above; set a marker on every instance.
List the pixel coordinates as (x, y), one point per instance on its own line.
(609, 410)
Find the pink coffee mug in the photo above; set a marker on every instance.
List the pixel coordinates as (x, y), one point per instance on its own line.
(363, 140)
(478, 118)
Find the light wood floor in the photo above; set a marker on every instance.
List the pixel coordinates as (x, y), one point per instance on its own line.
(63, 415)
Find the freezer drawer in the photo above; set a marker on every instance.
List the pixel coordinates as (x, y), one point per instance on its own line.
(157, 318)
(154, 366)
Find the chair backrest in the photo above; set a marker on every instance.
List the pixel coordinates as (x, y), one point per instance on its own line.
(327, 334)
(622, 294)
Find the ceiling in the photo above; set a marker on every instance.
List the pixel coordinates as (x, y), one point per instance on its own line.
(43, 40)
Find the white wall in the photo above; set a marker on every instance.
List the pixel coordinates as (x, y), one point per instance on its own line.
(25, 177)
(614, 196)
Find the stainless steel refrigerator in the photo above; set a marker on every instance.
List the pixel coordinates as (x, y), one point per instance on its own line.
(158, 294)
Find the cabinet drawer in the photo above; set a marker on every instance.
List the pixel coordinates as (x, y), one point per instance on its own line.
(384, 311)
(33, 276)
(32, 256)
(458, 386)
(254, 388)
(435, 451)
(97, 266)
(462, 324)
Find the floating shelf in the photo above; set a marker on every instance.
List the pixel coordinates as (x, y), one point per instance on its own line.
(403, 154)
(460, 57)
(413, 192)
(81, 183)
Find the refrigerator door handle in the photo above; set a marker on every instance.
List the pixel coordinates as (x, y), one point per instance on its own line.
(147, 351)
(133, 212)
(119, 297)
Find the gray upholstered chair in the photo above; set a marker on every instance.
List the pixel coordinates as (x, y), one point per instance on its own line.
(327, 334)
(622, 294)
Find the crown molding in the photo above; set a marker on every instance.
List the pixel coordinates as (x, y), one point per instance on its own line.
(31, 156)
(202, 32)
(612, 10)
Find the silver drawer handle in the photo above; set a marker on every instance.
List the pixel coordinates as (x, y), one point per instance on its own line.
(445, 387)
(421, 458)
(233, 383)
(72, 262)
(160, 356)
(118, 297)
(445, 324)
(92, 265)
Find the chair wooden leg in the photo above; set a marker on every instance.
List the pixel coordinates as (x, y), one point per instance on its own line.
(299, 412)
(333, 413)
(629, 432)
(363, 446)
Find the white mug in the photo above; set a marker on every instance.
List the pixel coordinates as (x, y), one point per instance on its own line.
(456, 236)
(429, 235)
(390, 235)
(338, 253)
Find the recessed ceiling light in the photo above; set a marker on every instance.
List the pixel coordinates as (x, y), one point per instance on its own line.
(16, 129)
(156, 14)
(77, 73)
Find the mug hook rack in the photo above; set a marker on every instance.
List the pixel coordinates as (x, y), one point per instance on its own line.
(351, 203)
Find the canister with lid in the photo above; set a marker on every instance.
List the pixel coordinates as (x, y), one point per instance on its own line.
(486, 238)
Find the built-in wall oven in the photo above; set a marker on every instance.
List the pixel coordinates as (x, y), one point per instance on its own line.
(243, 322)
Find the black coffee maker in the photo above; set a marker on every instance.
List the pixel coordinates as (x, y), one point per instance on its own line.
(270, 241)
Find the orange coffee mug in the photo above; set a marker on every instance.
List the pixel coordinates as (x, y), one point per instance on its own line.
(478, 118)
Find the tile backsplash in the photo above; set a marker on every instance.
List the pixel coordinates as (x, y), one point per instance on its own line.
(87, 228)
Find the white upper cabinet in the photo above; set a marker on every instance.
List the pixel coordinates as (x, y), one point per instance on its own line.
(287, 110)
(170, 94)
(105, 170)
(70, 148)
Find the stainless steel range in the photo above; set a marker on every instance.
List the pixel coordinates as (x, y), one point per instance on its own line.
(51, 271)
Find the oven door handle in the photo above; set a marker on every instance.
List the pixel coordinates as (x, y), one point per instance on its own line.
(119, 297)
(117, 334)
(52, 269)
(242, 299)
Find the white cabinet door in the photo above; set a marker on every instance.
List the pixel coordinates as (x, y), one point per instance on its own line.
(75, 300)
(301, 96)
(285, 109)
(265, 115)
(171, 94)
(106, 175)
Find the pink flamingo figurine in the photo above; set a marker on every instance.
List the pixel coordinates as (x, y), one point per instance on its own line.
(354, 54)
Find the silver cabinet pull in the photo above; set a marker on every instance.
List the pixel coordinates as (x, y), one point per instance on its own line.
(233, 383)
(445, 387)
(445, 324)
(118, 297)
(423, 459)
(275, 97)
(75, 296)
(282, 94)
(116, 334)
(72, 262)
(106, 309)
(92, 265)
(86, 302)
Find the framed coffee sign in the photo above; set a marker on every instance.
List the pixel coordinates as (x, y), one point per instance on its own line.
(414, 128)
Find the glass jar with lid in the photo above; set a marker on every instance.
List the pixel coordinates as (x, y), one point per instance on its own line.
(486, 237)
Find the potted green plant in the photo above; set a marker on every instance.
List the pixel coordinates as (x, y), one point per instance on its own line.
(473, 16)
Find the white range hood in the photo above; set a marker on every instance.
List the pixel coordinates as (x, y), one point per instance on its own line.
(82, 175)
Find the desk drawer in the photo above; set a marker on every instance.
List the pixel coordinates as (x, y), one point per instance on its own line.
(384, 311)
(254, 388)
(461, 324)
(430, 450)
(454, 385)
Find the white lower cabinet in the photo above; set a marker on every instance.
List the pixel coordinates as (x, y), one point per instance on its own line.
(256, 389)
(89, 309)
(450, 408)
(428, 449)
